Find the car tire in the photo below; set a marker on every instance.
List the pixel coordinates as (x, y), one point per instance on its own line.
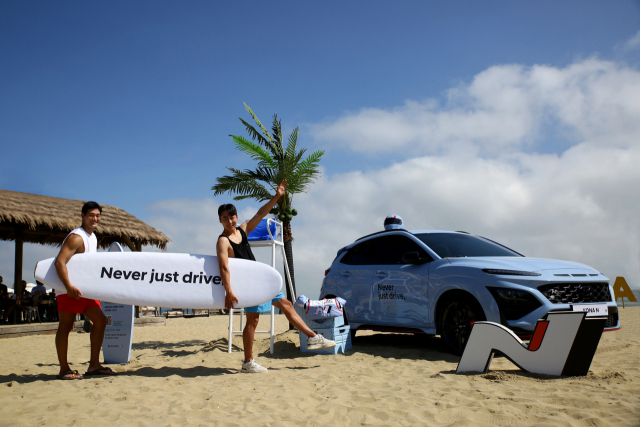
(456, 317)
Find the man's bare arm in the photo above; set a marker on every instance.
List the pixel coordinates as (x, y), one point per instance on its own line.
(222, 251)
(250, 225)
(70, 247)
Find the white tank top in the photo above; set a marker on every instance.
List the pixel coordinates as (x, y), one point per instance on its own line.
(90, 243)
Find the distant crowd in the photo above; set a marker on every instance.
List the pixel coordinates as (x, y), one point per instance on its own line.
(27, 303)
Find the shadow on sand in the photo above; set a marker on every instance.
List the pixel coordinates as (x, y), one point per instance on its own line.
(391, 345)
(403, 346)
(163, 346)
(184, 372)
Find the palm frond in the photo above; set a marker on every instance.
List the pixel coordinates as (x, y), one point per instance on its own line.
(310, 163)
(276, 128)
(254, 151)
(299, 155)
(293, 177)
(259, 123)
(292, 145)
(276, 148)
(240, 183)
(255, 135)
(261, 174)
(306, 171)
(277, 137)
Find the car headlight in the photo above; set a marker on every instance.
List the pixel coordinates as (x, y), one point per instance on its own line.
(514, 303)
(509, 272)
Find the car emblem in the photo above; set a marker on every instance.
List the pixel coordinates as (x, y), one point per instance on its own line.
(585, 290)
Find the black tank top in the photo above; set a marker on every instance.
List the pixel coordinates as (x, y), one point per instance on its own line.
(241, 250)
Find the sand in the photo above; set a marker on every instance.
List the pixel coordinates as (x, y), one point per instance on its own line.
(181, 374)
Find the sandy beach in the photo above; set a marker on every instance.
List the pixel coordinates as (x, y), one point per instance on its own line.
(181, 374)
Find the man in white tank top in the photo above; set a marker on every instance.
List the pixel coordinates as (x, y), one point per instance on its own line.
(79, 241)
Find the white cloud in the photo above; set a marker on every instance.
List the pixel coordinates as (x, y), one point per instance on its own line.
(192, 225)
(633, 43)
(505, 108)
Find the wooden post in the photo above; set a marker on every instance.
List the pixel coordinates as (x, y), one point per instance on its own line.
(127, 241)
(17, 273)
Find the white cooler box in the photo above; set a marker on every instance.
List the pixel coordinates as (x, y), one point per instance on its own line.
(332, 328)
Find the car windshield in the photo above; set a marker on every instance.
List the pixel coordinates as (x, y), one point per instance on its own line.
(450, 245)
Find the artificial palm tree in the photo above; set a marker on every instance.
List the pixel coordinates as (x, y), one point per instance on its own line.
(275, 163)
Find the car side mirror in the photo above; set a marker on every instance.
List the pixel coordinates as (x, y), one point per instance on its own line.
(413, 258)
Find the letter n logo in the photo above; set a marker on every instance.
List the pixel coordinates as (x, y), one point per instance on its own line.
(563, 344)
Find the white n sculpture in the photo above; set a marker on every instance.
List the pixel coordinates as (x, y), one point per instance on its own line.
(562, 344)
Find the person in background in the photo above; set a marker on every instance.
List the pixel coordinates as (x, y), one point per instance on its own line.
(5, 304)
(39, 288)
(25, 293)
(4, 291)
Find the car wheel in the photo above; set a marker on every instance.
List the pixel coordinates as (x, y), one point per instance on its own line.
(457, 316)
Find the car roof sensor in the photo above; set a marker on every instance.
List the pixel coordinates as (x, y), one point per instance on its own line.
(393, 222)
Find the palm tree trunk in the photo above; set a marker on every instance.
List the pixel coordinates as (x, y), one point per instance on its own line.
(288, 251)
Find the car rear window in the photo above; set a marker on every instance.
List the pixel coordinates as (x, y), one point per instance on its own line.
(449, 245)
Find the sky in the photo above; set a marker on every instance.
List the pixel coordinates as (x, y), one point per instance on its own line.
(518, 121)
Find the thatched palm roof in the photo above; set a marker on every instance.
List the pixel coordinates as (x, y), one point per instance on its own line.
(47, 220)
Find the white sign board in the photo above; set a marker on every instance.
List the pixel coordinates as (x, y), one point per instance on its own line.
(593, 310)
(118, 336)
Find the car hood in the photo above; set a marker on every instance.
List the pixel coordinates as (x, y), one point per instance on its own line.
(517, 263)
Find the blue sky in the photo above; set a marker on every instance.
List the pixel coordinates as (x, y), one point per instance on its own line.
(131, 104)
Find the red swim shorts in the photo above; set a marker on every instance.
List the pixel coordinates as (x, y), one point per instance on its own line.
(72, 305)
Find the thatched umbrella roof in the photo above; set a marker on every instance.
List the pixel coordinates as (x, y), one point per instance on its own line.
(47, 221)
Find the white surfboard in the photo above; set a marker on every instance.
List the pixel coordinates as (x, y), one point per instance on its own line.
(163, 280)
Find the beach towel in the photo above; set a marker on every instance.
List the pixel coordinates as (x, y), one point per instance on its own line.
(321, 309)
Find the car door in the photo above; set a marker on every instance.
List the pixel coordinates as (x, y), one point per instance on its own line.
(356, 279)
(400, 290)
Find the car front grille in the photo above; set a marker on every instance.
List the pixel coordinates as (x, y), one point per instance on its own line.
(569, 293)
(612, 320)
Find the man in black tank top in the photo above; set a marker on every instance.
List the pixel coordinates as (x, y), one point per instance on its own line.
(233, 243)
